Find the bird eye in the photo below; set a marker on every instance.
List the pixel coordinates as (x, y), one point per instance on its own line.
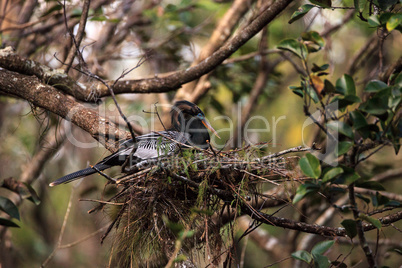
(200, 115)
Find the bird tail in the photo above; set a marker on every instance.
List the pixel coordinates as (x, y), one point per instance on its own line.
(79, 174)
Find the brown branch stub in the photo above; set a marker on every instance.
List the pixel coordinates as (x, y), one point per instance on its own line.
(44, 96)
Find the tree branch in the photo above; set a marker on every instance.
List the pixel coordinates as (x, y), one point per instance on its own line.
(177, 79)
(53, 77)
(44, 96)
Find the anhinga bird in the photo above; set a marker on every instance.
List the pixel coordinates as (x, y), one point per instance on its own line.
(189, 127)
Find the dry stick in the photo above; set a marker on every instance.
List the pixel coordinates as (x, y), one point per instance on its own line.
(63, 227)
(80, 35)
(251, 55)
(359, 226)
(389, 174)
(392, 196)
(69, 245)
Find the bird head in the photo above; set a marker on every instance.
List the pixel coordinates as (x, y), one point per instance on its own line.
(189, 118)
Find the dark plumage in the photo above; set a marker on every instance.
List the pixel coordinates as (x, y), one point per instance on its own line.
(189, 127)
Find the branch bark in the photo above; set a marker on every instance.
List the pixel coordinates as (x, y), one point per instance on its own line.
(53, 77)
(44, 96)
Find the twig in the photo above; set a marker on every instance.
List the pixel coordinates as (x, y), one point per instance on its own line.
(63, 227)
(259, 177)
(69, 245)
(80, 34)
(362, 238)
(287, 151)
(103, 174)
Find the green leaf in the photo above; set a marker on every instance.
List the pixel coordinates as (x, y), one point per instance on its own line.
(385, 4)
(332, 173)
(294, 46)
(302, 255)
(310, 166)
(359, 5)
(180, 258)
(372, 185)
(328, 86)
(322, 247)
(351, 177)
(300, 12)
(310, 92)
(297, 90)
(322, 3)
(175, 227)
(343, 147)
(362, 197)
(314, 37)
(317, 68)
(342, 128)
(345, 85)
(345, 101)
(398, 80)
(321, 261)
(348, 176)
(303, 190)
(374, 21)
(358, 119)
(379, 199)
(350, 227)
(33, 197)
(8, 207)
(371, 220)
(7, 223)
(378, 105)
(375, 86)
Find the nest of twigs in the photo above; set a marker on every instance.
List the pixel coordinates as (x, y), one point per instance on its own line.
(177, 204)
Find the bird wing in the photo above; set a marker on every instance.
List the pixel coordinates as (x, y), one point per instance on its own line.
(147, 146)
(157, 144)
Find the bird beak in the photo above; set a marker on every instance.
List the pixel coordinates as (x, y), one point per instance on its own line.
(208, 126)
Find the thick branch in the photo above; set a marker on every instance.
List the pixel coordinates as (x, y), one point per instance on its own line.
(31, 89)
(313, 228)
(54, 77)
